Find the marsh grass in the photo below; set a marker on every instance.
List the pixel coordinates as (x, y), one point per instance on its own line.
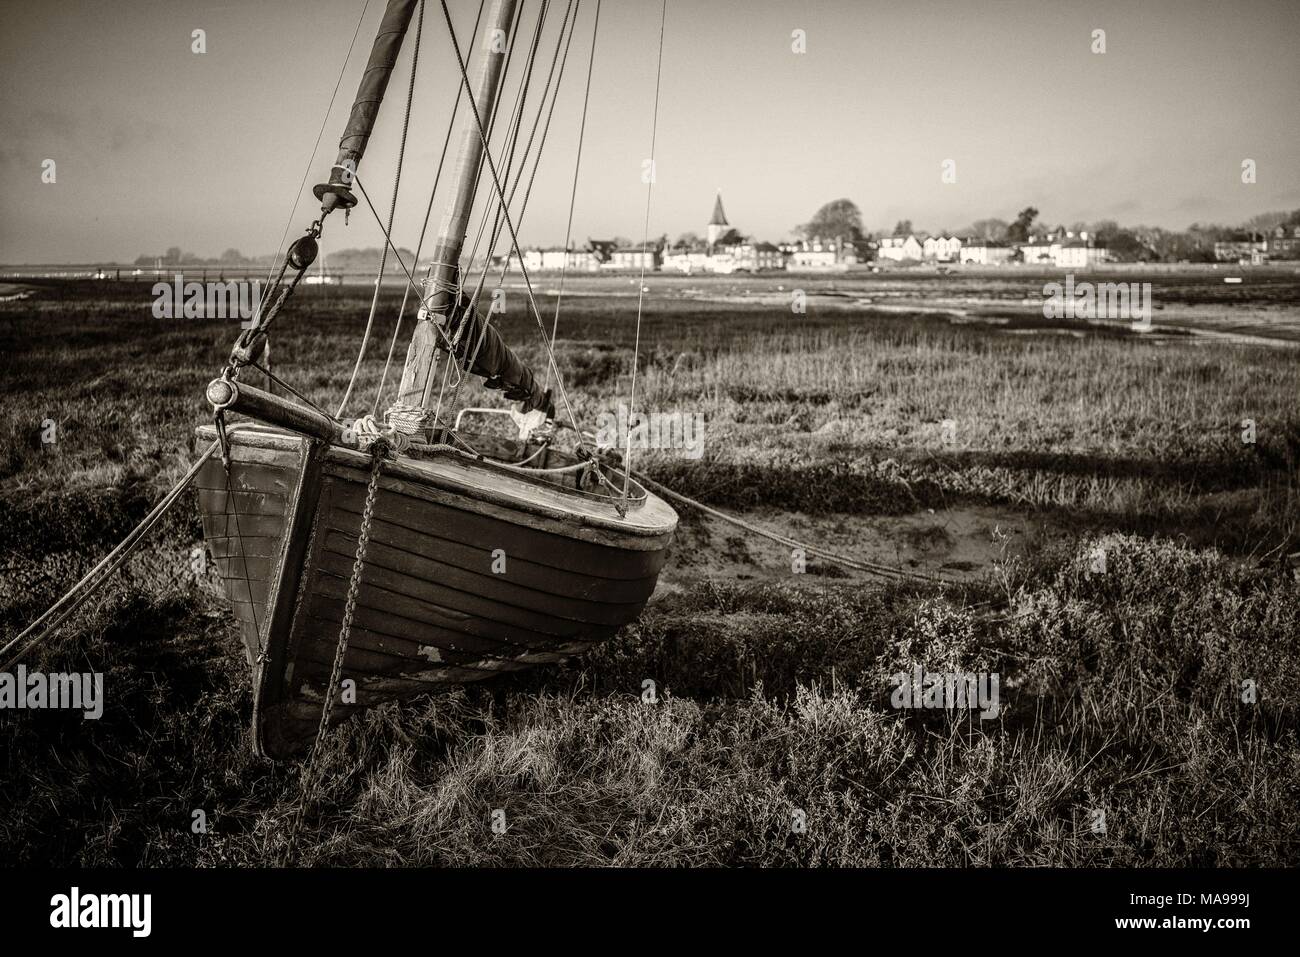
(1122, 692)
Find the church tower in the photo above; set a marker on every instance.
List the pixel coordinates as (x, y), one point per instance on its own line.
(718, 224)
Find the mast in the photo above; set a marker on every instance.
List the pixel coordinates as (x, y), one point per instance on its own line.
(337, 192)
(443, 312)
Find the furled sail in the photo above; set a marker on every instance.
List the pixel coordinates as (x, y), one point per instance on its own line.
(495, 361)
(365, 107)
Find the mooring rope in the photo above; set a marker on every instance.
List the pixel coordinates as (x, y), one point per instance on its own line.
(79, 593)
(870, 568)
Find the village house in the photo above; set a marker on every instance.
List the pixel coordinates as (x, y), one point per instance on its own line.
(1065, 251)
(1039, 251)
(942, 248)
(1284, 243)
(1079, 253)
(555, 259)
(900, 248)
(688, 259)
(984, 252)
(1241, 247)
(632, 258)
(817, 253)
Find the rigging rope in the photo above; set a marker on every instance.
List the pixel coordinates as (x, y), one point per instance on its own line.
(523, 208)
(513, 130)
(323, 123)
(645, 241)
(514, 116)
(392, 211)
(573, 194)
(528, 148)
(514, 237)
(424, 228)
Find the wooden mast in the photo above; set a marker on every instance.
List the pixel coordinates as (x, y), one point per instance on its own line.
(439, 294)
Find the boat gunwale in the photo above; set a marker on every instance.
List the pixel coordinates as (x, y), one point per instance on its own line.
(424, 477)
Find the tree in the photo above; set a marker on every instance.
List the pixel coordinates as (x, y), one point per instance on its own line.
(1123, 244)
(990, 230)
(903, 227)
(1018, 232)
(1266, 222)
(232, 256)
(839, 218)
(688, 240)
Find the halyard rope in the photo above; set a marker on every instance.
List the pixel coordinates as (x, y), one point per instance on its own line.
(496, 230)
(324, 121)
(514, 128)
(505, 212)
(309, 771)
(573, 193)
(392, 212)
(645, 242)
(428, 211)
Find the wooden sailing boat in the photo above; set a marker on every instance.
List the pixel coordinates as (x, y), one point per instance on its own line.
(377, 562)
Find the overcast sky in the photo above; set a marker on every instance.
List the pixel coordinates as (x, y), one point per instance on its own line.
(156, 146)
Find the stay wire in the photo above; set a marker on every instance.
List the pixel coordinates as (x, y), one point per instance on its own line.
(645, 241)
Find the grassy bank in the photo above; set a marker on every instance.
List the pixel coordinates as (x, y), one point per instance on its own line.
(1155, 695)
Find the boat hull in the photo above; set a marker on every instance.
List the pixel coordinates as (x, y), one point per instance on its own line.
(469, 571)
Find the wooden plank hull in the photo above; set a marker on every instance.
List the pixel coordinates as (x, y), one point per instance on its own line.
(469, 572)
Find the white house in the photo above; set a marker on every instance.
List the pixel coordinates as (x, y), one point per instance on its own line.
(1079, 254)
(555, 259)
(984, 252)
(1064, 252)
(819, 254)
(633, 258)
(1241, 247)
(685, 260)
(1039, 251)
(899, 248)
(942, 248)
(1285, 243)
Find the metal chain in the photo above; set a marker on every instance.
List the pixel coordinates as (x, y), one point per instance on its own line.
(309, 775)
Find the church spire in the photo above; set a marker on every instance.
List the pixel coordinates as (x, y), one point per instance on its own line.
(719, 217)
(718, 225)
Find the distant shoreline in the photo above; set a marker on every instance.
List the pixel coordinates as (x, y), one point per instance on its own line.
(112, 273)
